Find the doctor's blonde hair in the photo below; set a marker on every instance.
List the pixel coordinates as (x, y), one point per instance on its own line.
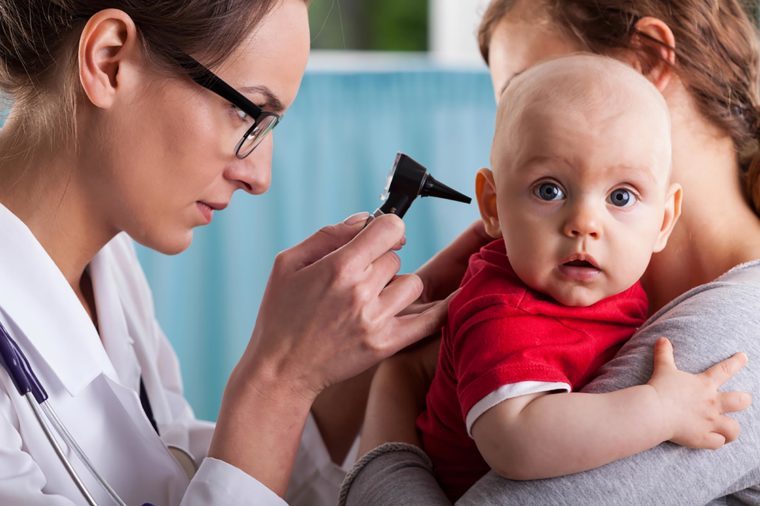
(39, 44)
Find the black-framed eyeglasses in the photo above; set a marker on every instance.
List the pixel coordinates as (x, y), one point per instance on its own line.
(262, 121)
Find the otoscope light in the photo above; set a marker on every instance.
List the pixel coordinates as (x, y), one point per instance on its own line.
(406, 181)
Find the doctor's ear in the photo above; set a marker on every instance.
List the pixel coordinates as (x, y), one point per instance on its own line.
(653, 51)
(107, 46)
(485, 191)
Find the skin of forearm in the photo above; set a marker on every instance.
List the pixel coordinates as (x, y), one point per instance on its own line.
(339, 413)
(259, 429)
(391, 417)
(560, 434)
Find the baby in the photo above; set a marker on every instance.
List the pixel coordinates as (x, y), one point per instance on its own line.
(578, 200)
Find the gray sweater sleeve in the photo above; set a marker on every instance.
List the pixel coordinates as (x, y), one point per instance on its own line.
(706, 325)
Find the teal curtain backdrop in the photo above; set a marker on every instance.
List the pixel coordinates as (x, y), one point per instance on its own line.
(333, 151)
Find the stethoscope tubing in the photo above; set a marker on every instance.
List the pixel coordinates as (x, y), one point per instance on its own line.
(72, 443)
(57, 448)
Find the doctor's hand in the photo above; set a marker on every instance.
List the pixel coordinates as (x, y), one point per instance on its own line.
(330, 311)
(331, 307)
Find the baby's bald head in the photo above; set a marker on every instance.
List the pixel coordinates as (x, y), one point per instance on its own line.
(579, 187)
(585, 92)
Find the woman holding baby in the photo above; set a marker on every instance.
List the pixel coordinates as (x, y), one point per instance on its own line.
(703, 288)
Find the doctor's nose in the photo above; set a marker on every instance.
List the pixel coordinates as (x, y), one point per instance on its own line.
(253, 173)
(582, 221)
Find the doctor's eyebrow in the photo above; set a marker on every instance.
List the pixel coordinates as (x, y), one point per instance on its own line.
(271, 103)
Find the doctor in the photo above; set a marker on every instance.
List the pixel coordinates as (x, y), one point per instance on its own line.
(116, 131)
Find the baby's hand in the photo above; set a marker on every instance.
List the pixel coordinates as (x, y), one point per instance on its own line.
(693, 408)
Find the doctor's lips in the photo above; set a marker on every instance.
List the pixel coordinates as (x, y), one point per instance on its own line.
(207, 209)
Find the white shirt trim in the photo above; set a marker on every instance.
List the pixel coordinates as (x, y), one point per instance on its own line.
(510, 391)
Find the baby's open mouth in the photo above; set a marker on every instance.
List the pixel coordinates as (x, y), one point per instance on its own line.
(580, 263)
(580, 267)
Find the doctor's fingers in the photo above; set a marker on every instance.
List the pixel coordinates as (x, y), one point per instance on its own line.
(382, 272)
(320, 244)
(380, 236)
(410, 328)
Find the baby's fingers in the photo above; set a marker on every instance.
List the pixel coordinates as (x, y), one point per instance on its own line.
(726, 369)
(663, 354)
(734, 401)
(727, 427)
(711, 441)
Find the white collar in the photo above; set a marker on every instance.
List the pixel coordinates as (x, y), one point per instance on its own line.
(39, 301)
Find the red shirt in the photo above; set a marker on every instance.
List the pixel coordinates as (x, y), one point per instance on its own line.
(501, 332)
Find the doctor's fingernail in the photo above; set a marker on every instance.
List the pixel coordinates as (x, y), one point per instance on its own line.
(356, 218)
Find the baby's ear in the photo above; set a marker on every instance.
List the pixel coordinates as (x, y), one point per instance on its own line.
(672, 213)
(485, 191)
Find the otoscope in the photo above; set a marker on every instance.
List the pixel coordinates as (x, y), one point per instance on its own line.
(406, 181)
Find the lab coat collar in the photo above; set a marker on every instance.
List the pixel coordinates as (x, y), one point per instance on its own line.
(112, 321)
(38, 299)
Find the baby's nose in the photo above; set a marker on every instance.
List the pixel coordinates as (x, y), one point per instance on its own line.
(583, 222)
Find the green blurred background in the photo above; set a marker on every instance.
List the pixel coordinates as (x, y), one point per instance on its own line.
(381, 25)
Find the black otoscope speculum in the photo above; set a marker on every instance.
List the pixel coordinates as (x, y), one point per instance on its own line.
(407, 180)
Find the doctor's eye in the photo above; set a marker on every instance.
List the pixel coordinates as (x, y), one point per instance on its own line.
(622, 197)
(548, 191)
(244, 116)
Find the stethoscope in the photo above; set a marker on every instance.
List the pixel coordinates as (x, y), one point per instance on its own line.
(29, 387)
(407, 180)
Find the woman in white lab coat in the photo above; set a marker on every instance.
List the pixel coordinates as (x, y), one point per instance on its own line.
(115, 131)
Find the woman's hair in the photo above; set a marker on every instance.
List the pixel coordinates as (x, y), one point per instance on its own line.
(39, 44)
(716, 52)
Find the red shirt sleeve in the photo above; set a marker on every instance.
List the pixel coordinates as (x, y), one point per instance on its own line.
(502, 345)
(501, 332)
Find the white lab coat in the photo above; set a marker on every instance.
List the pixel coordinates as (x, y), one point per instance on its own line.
(93, 383)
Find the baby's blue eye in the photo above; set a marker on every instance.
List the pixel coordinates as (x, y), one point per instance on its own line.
(549, 191)
(621, 197)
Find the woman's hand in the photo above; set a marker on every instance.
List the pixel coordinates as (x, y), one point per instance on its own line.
(692, 407)
(442, 274)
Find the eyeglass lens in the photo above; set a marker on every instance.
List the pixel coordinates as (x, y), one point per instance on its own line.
(256, 134)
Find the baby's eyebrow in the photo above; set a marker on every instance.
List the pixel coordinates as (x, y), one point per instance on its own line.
(643, 170)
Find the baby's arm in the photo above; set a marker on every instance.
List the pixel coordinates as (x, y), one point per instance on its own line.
(543, 436)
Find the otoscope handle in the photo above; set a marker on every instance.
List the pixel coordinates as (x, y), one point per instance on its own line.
(396, 204)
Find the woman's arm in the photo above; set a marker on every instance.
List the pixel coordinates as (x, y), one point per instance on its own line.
(520, 438)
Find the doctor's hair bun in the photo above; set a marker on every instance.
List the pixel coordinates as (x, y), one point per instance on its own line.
(39, 38)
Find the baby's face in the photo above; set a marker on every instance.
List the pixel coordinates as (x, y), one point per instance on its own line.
(583, 199)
